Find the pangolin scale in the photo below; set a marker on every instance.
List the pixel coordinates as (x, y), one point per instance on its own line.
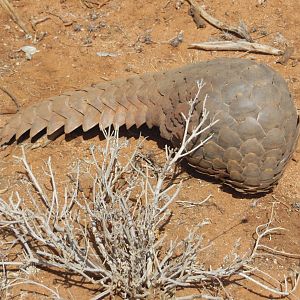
(252, 142)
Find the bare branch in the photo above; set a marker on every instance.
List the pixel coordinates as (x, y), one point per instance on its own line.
(13, 14)
(239, 45)
(241, 30)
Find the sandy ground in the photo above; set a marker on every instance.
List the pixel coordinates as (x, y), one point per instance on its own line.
(138, 32)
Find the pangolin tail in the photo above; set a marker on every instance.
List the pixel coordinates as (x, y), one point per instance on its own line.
(117, 103)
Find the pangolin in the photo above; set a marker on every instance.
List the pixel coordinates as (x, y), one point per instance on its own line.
(256, 132)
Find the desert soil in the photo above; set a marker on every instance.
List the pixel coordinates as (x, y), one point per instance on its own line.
(138, 33)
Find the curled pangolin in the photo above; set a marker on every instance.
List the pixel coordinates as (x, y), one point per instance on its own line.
(251, 144)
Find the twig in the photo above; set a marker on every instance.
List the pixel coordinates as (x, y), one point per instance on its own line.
(12, 97)
(101, 295)
(31, 282)
(198, 20)
(65, 22)
(35, 22)
(288, 53)
(201, 296)
(2, 191)
(12, 263)
(33, 179)
(239, 45)
(89, 3)
(241, 31)
(100, 5)
(280, 253)
(272, 290)
(13, 14)
(190, 204)
(281, 202)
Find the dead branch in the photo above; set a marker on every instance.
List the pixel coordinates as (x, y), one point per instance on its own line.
(12, 97)
(24, 282)
(35, 22)
(90, 3)
(108, 239)
(13, 14)
(286, 56)
(197, 18)
(239, 45)
(191, 204)
(241, 30)
(200, 296)
(65, 22)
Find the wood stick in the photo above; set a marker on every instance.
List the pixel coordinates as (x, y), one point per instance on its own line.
(237, 46)
(12, 97)
(241, 31)
(11, 11)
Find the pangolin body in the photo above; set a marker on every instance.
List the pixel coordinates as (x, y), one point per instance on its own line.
(251, 144)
